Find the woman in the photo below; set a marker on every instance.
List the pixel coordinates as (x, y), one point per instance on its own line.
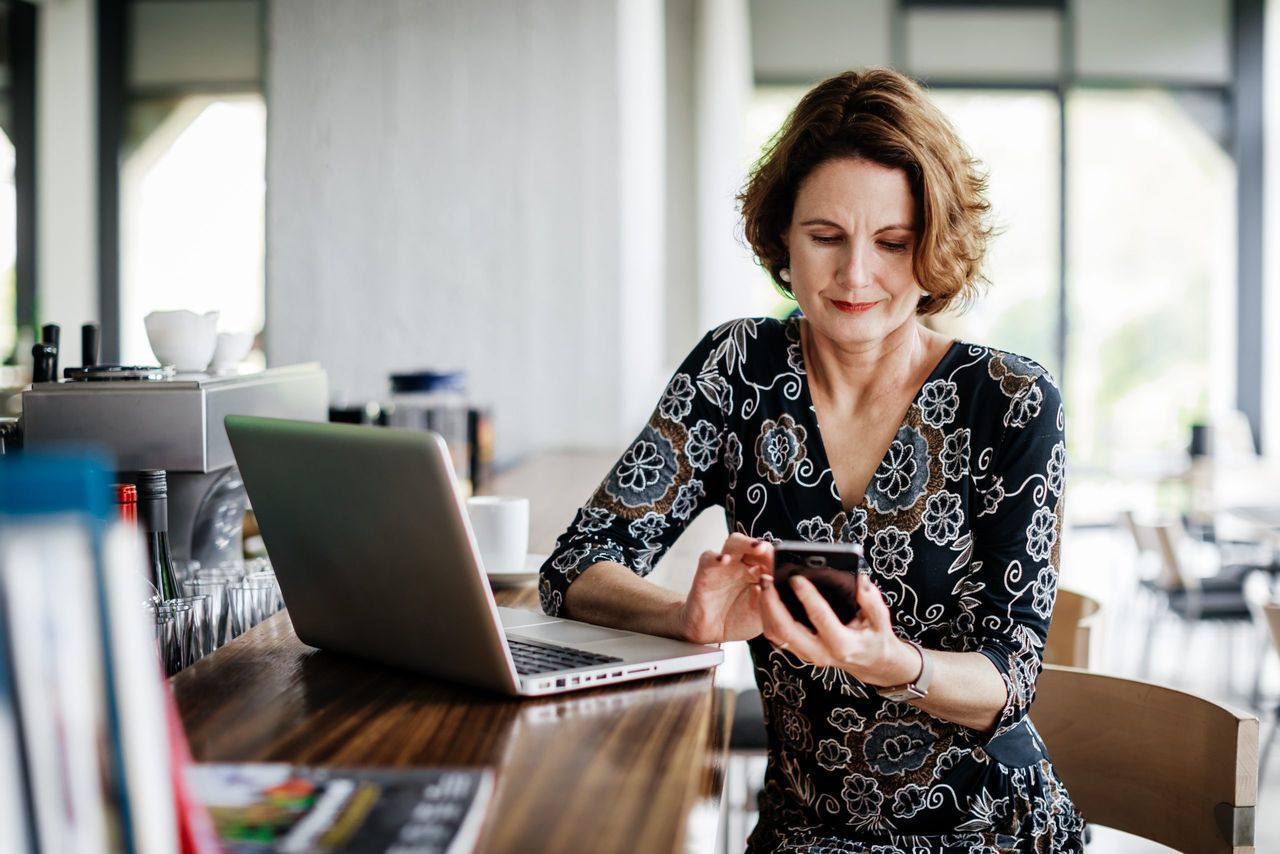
(906, 729)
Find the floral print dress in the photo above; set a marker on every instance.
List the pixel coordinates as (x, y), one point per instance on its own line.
(961, 528)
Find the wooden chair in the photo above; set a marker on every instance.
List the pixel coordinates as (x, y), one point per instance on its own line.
(1152, 761)
(1072, 629)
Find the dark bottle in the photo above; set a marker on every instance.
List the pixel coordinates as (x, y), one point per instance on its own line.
(44, 363)
(153, 519)
(51, 334)
(89, 345)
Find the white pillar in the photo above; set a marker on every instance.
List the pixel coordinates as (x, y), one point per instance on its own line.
(723, 95)
(641, 232)
(66, 178)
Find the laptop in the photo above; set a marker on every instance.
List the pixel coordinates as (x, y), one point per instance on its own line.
(375, 558)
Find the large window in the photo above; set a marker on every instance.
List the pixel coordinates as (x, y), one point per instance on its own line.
(769, 108)
(17, 63)
(192, 203)
(192, 185)
(1015, 137)
(1151, 278)
(8, 248)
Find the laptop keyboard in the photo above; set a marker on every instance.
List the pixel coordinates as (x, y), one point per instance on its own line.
(532, 657)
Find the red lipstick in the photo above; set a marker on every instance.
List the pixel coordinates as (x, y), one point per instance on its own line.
(852, 307)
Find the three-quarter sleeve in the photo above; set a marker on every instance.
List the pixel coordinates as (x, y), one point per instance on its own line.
(1017, 541)
(665, 478)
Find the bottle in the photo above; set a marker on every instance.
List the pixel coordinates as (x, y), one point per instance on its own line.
(89, 345)
(153, 518)
(127, 503)
(44, 363)
(51, 335)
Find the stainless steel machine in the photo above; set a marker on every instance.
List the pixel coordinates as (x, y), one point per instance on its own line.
(155, 419)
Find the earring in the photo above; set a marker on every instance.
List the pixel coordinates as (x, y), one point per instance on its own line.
(785, 274)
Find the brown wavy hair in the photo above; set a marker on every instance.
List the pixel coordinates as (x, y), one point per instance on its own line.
(885, 117)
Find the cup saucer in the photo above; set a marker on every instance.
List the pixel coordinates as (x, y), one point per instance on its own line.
(517, 576)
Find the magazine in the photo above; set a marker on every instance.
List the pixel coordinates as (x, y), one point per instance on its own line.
(259, 807)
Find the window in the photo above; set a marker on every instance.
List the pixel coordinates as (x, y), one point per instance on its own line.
(192, 185)
(1151, 278)
(17, 119)
(1150, 344)
(193, 202)
(1015, 136)
(769, 108)
(8, 248)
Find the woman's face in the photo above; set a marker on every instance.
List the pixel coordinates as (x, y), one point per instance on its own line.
(851, 240)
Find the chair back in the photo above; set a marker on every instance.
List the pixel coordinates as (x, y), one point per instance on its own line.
(1071, 631)
(1162, 764)
(1272, 611)
(1146, 541)
(1173, 575)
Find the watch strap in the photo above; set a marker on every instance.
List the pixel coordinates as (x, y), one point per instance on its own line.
(917, 688)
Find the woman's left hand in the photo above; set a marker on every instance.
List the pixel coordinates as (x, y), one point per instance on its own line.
(865, 647)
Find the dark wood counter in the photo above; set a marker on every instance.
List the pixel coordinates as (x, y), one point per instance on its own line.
(611, 769)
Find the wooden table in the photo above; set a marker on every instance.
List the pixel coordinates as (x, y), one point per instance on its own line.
(638, 767)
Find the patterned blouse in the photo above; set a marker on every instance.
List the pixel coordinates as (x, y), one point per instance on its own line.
(961, 525)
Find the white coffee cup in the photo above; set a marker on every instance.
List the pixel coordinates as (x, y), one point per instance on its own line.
(501, 527)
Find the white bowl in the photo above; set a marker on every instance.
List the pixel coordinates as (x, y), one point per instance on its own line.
(183, 338)
(231, 348)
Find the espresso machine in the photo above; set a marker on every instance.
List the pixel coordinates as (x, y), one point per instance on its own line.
(156, 418)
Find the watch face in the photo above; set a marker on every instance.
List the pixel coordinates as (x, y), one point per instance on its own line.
(901, 695)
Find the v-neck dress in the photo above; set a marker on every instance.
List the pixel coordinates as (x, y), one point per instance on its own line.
(961, 526)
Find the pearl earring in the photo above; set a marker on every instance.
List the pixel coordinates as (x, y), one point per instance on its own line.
(785, 274)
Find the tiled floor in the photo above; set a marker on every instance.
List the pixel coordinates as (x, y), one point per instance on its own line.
(1101, 563)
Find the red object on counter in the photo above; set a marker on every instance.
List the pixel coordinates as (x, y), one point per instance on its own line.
(127, 502)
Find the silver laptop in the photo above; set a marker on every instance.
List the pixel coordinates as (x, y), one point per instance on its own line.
(375, 557)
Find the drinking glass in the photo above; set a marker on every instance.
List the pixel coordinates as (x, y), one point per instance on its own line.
(266, 577)
(250, 602)
(216, 590)
(199, 640)
(175, 638)
(164, 635)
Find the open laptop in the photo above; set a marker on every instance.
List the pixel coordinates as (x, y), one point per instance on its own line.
(375, 557)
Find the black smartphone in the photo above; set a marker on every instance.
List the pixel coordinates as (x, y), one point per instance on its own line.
(833, 568)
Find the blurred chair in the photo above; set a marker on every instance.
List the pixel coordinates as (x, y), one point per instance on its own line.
(1072, 629)
(1152, 761)
(1272, 611)
(1196, 598)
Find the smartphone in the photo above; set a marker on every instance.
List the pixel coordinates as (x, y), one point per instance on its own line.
(833, 568)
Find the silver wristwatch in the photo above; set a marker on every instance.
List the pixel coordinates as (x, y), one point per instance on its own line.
(912, 690)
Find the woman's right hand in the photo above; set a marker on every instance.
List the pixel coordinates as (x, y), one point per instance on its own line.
(724, 600)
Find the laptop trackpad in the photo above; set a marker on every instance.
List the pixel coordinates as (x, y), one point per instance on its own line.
(567, 632)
